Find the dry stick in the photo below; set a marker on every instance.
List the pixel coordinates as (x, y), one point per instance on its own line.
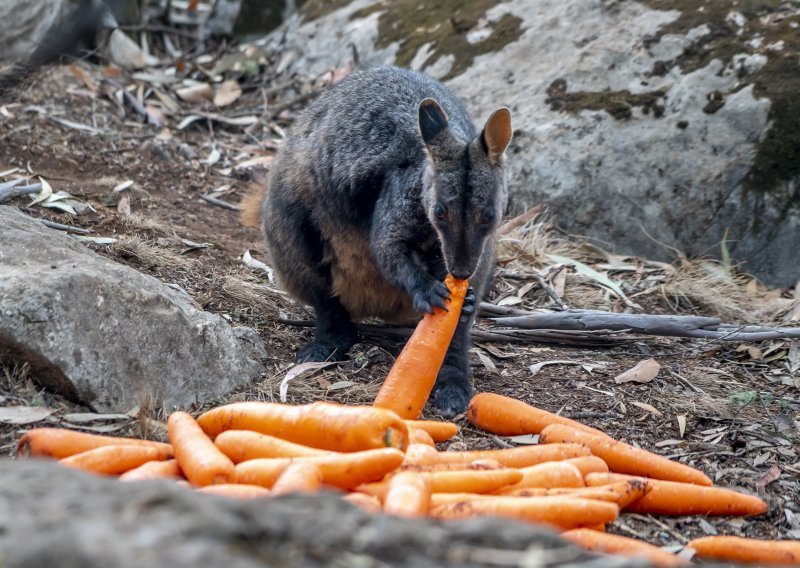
(62, 227)
(550, 291)
(11, 190)
(219, 203)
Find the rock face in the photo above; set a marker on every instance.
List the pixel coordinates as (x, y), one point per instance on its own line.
(46, 520)
(102, 333)
(637, 123)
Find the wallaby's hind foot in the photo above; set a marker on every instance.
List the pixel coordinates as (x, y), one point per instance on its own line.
(317, 351)
(334, 335)
(452, 392)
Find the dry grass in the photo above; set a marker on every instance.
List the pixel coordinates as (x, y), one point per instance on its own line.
(132, 247)
(139, 222)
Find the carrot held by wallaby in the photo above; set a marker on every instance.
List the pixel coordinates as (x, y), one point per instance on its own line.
(596, 541)
(113, 460)
(410, 381)
(322, 425)
(61, 443)
(674, 498)
(739, 549)
(200, 460)
(624, 458)
(510, 417)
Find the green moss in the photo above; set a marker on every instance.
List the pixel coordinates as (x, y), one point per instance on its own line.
(313, 9)
(778, 155)
(413, 23)
(618, 104)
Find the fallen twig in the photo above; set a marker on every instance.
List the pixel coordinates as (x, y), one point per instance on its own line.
(62, 227)
(11, 190)
(219, 203)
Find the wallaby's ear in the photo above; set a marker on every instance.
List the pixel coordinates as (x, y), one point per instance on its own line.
(432, 120)
(497, 134)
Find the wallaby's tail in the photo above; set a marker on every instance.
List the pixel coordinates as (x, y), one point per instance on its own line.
(250, 215)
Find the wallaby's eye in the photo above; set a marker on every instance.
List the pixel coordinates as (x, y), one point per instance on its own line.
(488, 216)
(440, 213)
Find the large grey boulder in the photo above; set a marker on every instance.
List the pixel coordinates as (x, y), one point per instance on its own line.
(107, 335)
(648, 125)
(52, 516)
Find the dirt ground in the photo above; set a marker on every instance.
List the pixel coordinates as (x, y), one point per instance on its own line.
(741, 413)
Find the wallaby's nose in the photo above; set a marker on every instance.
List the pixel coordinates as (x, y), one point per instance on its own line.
(461, 274)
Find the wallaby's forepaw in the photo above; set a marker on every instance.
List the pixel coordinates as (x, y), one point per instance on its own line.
(317, 351)
(468, 308)
(429, 295)
(452, 392)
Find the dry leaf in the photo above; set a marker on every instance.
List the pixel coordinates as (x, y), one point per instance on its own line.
(86, 417)
(227, 93)
(648, 407)
(298, 370)
(527, 439)
(536, 367)
(196, 94)
(124, 52)
(681, 424)
(753, 351)
(24, 414)
(771, 475)
(124, 205)
(122, 186)
(488, 363)
(644, 372)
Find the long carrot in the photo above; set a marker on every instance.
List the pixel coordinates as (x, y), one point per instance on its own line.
(113, 460)
(588, 464)
(323, 425)
(560, 512)
(60, 443)
(197, 456)
(456, 481)
(366, 503)
(167, 469)
(303, 477)
(510, 417)
(674, 498)
(739, 549)
(624, 458)
(548, 474)
(243, 445)
(473, 465)
(409, 383)
(439, 431)
(615, 544)
(236, 490)
(419, 436)
(522, 456)
(345, 471)
(409, 495)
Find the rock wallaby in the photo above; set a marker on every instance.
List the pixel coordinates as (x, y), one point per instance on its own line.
(382, 187)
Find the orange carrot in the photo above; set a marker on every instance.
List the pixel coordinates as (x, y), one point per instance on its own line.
(588, 464)
(673, 498)
(457, 481)
(338, 470)
(243, 445)
(409, 495)
(439, 431)
(419, 436)
(60, 443)
(237, 490)
(322, 425)
(522, 456)
(477, 465)
(510, 417)
(624, 458)
(197, 456)
(409, 383)
(548, 474)
(166, 469)
(299, 476)
(560, 512)
(113, 460)
(739, 549)
(615, 544)
(366, 503)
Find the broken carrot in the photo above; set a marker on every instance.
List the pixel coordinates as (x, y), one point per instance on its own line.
(522, 456)
(61, 443)
(236, 490)
(322, 425)
(624, 458)
(345, 471)
(366, 503)
(243, 445)
(410, 380)
(596, 541)
(113, 460)
(200, 460)
(302, 477)
(561, 512)
(419, 436)
(739, 549)
(456, 481)
(674, 498)
(409, 495)
(439, 431)
(166, 469)
(506, 416)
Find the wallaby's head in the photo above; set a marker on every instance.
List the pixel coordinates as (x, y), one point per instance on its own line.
(464, 189)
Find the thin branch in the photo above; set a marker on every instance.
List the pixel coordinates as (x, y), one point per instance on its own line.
(219, 203)
(62, 227)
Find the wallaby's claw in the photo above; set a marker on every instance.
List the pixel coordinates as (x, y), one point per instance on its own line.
(452, 392)
(468, 308)
(425, 298)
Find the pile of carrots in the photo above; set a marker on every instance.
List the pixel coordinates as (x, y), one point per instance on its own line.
(383, 459)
